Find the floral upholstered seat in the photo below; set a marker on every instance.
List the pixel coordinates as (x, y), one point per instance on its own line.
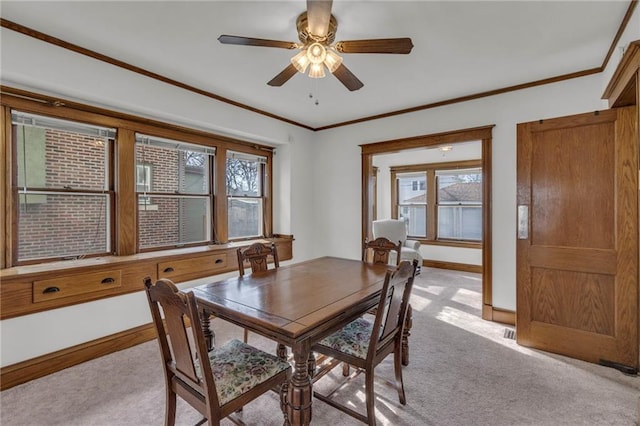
(238, 367)
(216, 383)
(352, 339)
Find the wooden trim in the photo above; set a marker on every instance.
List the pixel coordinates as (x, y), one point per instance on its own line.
(5, 188)
(69, 110)
(487, 230)
(623, 77)
(621, 28)
(450, 165)
(466, 98)
(498, 315)
(104, 58)
(424, 141)
(126, 223)
(41, 366)
(464, 267)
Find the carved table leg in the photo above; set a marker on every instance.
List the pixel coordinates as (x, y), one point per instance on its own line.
(299, 391)
(311, 364)
(408, 323)
(281, 351)
(209, 335)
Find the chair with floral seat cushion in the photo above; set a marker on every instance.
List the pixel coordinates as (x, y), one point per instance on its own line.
(364, 344)
(216, 383)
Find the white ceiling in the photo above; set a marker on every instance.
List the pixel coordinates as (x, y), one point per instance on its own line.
(460, 47)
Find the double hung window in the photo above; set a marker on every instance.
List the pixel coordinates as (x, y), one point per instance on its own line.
(412, 202)
(246, 177)
(174, 190)
(64, 188)
(439, 202)
(459, 204)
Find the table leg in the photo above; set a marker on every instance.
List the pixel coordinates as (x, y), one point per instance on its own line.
(408, 323)
(209, 335)
(299, 392)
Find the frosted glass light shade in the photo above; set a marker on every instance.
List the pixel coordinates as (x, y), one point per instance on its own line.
(316, 53)
(301, 61)
(332, 61)
(316, 71)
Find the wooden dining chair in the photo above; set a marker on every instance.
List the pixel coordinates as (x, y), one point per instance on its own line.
(364, 344)
(257, 254)
(378, 251)
(216, 383)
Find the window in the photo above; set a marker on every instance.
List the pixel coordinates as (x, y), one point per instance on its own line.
(412, 202)
(173, 185)
(440, 201)
(460, 204)
(245, 176)
(64, 188)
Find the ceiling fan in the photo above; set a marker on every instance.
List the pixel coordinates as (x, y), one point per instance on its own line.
(316, 31)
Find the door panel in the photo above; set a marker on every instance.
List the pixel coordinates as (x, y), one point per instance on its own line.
(577, 266)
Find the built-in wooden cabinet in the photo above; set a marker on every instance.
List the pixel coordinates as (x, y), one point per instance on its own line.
(35, 288)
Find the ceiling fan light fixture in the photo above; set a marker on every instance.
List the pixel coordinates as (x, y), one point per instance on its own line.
(316, 70)
(316, 53)
(332, 61)
(301, 61)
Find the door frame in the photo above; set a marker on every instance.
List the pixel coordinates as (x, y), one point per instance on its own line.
(483, 134)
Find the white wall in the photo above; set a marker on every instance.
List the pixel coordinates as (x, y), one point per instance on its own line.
(36, 66)
(316, 176)
(505, 111)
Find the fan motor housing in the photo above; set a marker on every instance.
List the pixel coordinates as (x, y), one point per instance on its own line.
(302, 24)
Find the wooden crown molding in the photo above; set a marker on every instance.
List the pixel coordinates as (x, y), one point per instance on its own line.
(93, 54)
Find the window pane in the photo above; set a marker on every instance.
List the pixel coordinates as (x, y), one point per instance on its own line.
(460, 187)
(58, 159)
(415, 218)
(245, 217)
(171, 170)
(61, 225)
(460, 222)
(412, 189)
(173, 221)
(243, 177)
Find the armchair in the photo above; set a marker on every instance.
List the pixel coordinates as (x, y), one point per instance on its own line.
(396, 230)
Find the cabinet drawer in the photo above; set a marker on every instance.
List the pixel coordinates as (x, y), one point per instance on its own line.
(72, 285)
(184, 269)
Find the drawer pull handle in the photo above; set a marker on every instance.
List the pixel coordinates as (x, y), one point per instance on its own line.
(219, 260)
(108, 280)
(169, 269)
(50, 290)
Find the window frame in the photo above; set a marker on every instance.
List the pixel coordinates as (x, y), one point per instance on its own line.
(431, 169)
(262, 177)
(122, 178)
(178, 195)
(107, 191)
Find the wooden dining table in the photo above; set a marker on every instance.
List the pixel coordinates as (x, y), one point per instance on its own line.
(296, 305)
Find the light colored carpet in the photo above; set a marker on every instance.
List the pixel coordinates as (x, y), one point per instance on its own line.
(462, 371)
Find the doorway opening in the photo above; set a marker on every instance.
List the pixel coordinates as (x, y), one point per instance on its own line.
(372, 205)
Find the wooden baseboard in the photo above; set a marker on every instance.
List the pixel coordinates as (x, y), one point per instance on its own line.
(464, 267)
(22, 372)
(504, 316)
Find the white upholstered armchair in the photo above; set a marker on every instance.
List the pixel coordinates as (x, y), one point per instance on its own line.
(396, 230)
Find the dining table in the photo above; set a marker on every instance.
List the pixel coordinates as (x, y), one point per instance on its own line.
(296, 305)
